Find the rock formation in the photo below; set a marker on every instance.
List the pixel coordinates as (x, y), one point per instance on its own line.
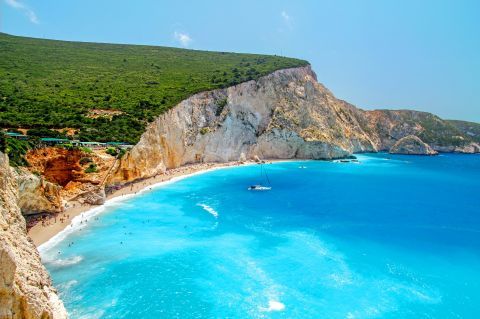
(36, 195)
(286, 114)
(25, 287)
(387, 127)
(412, 145)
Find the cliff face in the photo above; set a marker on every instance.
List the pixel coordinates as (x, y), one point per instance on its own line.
(286, 114)
(36, 195)
(67, 170)
(387, 127)
(25, 287)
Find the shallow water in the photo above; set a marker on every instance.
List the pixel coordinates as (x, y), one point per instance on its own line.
(391, 237)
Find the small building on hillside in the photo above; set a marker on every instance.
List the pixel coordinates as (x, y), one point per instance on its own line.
(119, 145)
(52, 141)
(17, 136)
(93, 145)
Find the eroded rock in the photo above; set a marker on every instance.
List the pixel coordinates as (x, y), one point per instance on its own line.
(412, 145)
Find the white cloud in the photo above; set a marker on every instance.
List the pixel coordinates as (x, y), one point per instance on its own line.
(23, 7)
(286, 18)
(183, 38)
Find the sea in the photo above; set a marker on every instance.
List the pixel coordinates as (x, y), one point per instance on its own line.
(389, 236)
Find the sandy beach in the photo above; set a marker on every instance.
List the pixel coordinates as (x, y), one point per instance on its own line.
(42, 232)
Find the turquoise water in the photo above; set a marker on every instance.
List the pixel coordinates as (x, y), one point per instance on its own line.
(391, 237)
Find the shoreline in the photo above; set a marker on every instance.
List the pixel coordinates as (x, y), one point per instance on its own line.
(56, 225)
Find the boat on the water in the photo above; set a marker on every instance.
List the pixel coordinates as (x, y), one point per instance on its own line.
(259, 188)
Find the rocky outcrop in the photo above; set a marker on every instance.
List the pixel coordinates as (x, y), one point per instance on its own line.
(387, 127)
(25, 287)
(36, 195)
(470, 148)
(91, 194)
(412, 145)
(65, 174)
(286, 114)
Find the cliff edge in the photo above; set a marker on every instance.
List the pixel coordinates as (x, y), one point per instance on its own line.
(26, 289)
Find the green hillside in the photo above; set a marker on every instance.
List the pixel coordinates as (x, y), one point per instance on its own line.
(470, 129)
(56, 84)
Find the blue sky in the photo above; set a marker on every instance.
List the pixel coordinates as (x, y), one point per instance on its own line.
(423, 55)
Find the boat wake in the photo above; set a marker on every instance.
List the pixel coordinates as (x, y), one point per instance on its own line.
(209, 210)
(274, 305)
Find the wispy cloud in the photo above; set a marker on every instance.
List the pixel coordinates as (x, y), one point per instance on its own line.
(286, 18)
(183, 38)
(24, 8)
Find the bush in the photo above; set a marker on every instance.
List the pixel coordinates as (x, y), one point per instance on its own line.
(112, 151)
(92, 168)
(204, 130)
(121, 153)
(85, 160)
(221, 105)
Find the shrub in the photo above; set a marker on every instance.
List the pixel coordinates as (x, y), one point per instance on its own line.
(85, 160)
(112, 151)
(121, 153)
(92, 168)
(221, 105)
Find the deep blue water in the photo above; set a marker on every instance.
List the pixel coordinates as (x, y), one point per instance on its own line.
(391, 237)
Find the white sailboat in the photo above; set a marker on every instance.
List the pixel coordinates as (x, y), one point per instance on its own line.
(260, 187)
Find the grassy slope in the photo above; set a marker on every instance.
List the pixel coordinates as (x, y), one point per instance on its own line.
(469, 129)
(46, 83)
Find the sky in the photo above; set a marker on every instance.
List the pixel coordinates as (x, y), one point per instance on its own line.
(422, 55)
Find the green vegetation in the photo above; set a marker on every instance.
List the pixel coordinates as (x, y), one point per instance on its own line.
(54, 84)
(116, 152)
(112, 151)
(204, 130)
(220, 106)
(15, 149)
(435, 131)
(85, 160)
(470, 129)
(92, 168)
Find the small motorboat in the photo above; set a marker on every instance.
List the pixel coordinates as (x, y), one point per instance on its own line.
(259, 188)
(302, 166)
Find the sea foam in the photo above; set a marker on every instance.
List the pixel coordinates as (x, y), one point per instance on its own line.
(209, 209)
(65, 262)
(274, 305)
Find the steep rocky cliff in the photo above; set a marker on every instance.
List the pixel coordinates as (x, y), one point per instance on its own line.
(37, 195)
(286, 114)
(25, 287)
